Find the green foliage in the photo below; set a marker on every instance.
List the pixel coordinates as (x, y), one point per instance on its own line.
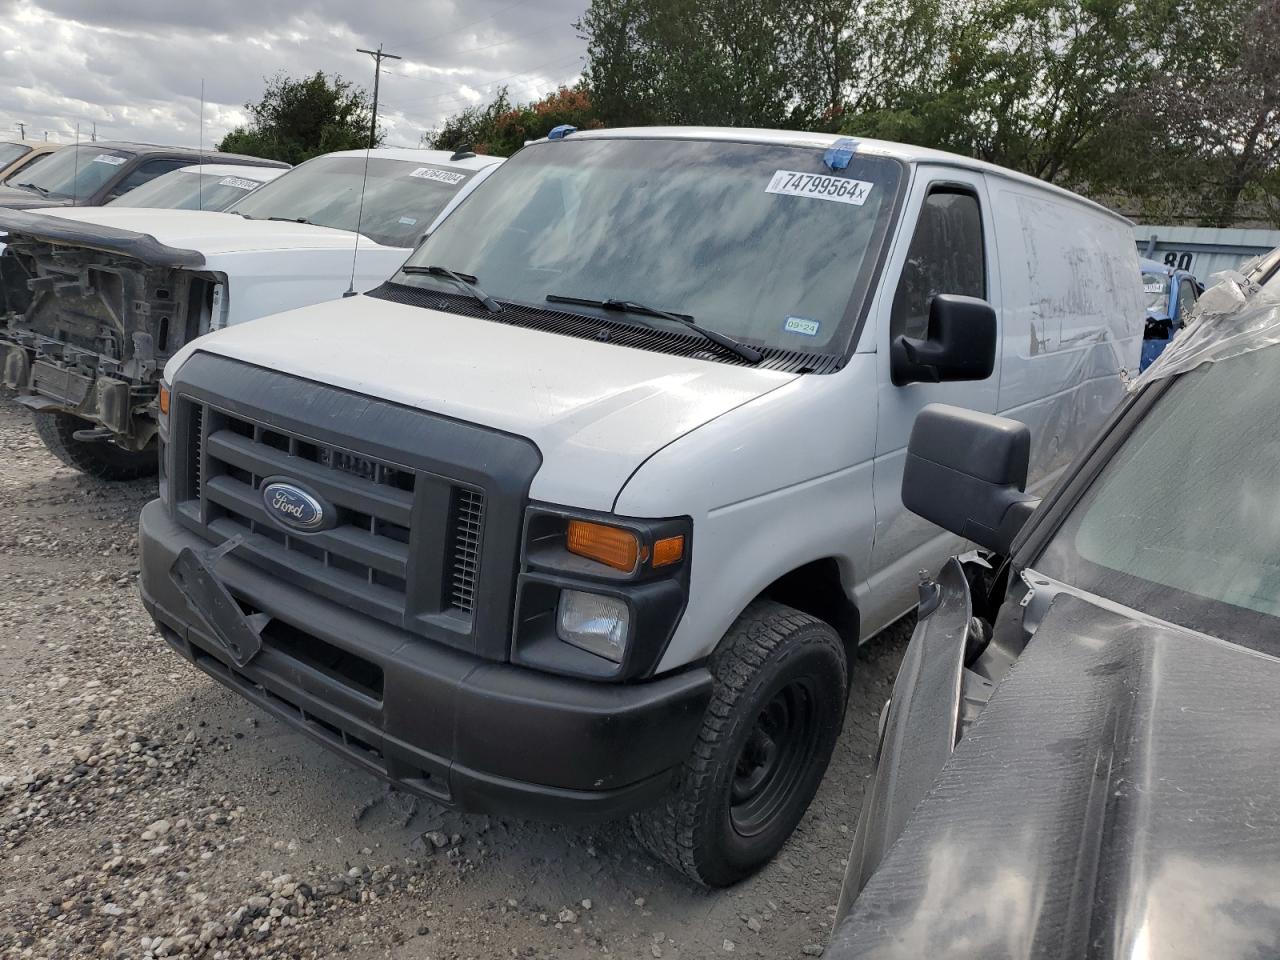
(1170, 108)
(297, 119)
(500, 128)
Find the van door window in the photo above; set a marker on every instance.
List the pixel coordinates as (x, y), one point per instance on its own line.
(145, 172)
(946, 256)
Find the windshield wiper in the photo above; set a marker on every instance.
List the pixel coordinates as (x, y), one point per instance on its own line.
(286, 219)
(464, 280)
(35, 186)
(749, 354)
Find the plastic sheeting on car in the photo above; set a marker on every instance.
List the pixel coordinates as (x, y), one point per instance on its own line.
(1234, 316)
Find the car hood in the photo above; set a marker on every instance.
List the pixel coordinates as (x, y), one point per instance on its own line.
(1118, 797)
(595, 410)
(11, 198)
(212, 233)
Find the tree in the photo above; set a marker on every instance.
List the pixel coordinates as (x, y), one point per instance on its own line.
(501, 129)
(1035, 85)
(297, 119)
(1216, 116)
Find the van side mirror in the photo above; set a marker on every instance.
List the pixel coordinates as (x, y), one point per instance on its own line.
(966, 471)
(960, 345)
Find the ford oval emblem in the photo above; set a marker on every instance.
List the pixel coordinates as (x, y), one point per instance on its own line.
(290, 505)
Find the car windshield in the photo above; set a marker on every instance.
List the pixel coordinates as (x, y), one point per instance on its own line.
(401, 197)
(77, 172)
(10, 152)
(1155, 290)
(1181, 521)
(188, 190)
(761, 242)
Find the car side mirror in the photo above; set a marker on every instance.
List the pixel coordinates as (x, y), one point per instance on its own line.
(967, 472)
(960, 345)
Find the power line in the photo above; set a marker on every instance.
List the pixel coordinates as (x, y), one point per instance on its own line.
(378, 57)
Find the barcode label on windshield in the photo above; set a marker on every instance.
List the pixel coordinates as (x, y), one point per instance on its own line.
(108, 158)
(792, 183)
(237, 182)
(440, 176)
(1153, 287)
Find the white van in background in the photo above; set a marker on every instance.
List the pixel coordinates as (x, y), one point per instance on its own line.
(584, 512)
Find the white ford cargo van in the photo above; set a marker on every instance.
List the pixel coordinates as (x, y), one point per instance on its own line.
(98, 299)
(583, 513)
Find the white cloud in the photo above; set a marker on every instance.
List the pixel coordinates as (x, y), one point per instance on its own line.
(134, 67)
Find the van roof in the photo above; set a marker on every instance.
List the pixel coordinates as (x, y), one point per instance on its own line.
(798, 138)
(422, 155)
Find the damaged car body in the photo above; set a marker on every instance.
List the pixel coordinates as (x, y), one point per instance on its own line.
(1078, 758)
(90, 326)
(97, 300)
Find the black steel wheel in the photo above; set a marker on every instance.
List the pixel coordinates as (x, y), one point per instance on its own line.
(775, 714)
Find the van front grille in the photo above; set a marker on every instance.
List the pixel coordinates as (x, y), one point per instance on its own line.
(423, 514)
(363, 559)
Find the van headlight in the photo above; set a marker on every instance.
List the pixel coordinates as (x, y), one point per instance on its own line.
(599, 596)
(594, 622)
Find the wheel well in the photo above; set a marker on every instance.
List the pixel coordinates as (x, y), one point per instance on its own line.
(816, 589)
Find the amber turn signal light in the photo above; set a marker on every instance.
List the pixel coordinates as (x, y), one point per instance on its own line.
(668, 551)
(164, 400)
(611, 546)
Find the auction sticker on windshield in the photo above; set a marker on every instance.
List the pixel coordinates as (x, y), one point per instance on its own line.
(237, 182)
(442, 176)
(108, 158)
(792, 183)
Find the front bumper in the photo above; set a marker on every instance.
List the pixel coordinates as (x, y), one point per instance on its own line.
(481, 735)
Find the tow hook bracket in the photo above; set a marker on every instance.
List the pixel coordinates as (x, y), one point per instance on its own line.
(240, 636)
(93, 435)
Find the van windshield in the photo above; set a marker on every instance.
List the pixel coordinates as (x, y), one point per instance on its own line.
(760, 242)
(10, 152)
(1181, 521)
(401, 197)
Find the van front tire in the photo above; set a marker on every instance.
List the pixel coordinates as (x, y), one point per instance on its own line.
(101, 459)
(777, 705)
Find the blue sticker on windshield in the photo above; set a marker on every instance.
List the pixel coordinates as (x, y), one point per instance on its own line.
(801, 325)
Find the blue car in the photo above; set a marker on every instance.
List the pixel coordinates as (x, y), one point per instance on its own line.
(1170, 294)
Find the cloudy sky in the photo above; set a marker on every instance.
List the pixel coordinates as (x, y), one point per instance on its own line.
(134, 66)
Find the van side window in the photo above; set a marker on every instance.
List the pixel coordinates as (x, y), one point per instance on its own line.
(1186, 299)
(946, 256)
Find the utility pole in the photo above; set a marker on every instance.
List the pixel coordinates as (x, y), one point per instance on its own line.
(378, 57)
(22, 130)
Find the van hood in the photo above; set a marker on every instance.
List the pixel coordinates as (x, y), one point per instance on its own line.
(595, 410)
(208, 232)
(1118, 797)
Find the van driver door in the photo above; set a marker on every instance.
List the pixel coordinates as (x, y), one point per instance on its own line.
(946, 245)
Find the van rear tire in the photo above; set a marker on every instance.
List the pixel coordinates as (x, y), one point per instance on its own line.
(101, 459)
(777, 706)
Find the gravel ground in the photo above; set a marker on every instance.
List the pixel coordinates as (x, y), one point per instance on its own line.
(145, 811)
